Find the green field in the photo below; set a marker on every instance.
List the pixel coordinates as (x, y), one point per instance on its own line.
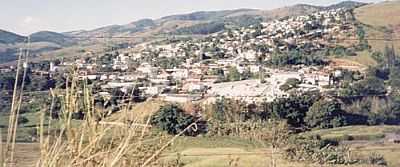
(216, 151)
(364, 140)
(233, 151)
(25, 132)
(391, 152)
(229, 151)
(355, 132)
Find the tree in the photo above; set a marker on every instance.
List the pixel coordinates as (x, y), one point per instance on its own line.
(22, 120)
(41, 83)
(218, 112)
(229, 110)
(363, 43)
(394, 78)
(369, 86)
(172, 119)
(246, 74)
(325, 114)
(296, 57)
(7, 80)
(290, 84)
(390, 55)
(294, 108)
(234, 74)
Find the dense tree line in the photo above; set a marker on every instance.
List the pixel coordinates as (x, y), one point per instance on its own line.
(174, 120)
(204, 28)
(296, 57)
(300, 111)
(32, 82)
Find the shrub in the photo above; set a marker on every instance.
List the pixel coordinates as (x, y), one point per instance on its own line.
(376, 159)
(290, 84)
(314, 149)
(294, 108)
(325, 114)
(172, 119)
(22, 120)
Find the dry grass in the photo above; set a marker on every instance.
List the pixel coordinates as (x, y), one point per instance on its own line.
(89, 143)
(390, 152)
(379, 45)
(139, 111)
(26, 154)
(379, 16)
(363, 58)
(93, 143)
(361, 61)
(347, 63)
(219, 157)
(355, 131)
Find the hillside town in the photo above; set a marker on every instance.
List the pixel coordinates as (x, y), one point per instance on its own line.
(226, 64)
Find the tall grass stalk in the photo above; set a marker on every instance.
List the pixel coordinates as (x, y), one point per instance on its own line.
(19, 103)
(15, 107)
(94, 141)
(13, 103)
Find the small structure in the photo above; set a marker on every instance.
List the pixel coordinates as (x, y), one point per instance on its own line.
(181, 98)
(393, 138)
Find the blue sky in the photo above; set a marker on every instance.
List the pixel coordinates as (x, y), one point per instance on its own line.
(28, 16)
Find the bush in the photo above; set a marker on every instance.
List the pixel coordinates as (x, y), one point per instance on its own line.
(325, 114)
(290, 84)
(285, 87)
(314, 149)
(172, 119)
(22, 120)
(369, 86)
(294, 108)
(376, 159)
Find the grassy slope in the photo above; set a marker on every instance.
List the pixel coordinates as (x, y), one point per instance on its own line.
(227, 145)
(390, 152)
(381, 16)
(378, 18)
(364, 58)
(216, 152)
(369, 134)
(204, 145)
(139, 112)
(26, 154)
(362, 132)
(25, 131)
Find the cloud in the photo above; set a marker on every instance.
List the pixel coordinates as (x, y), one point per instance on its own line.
(30, 24)
(28, 20)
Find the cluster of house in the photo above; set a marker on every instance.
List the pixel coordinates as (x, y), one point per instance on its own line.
(194, 80)
(310, 32)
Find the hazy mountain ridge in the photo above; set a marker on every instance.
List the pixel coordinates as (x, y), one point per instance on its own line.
(52, 37)
(43, 41)
(200, 16)
(203, 22)
(346, 4)
(7, 37)
(133, 27)
(206, 15)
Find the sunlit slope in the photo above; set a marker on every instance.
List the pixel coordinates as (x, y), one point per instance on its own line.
(382, 20)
